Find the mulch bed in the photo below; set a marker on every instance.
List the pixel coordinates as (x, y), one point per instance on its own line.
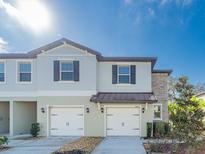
(84, 145)
(181, 148)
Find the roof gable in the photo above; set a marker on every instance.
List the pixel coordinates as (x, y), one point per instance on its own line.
(61, 42)
(48, 47)
(65, 50)
(64, 41)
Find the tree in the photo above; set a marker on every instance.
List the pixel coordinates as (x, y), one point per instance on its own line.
(186, 112)
(197, 88)
(171, 87)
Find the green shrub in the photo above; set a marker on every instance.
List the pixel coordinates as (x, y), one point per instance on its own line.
(160, 129)
(149, 129)
(35, 129)
(3, 140)
(167, 128)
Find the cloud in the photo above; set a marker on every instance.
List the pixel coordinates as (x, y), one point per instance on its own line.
(177, 2)
(128, 1)
(186, 2)
(30, 14)
(164, 2)
(151, 12)
(3, 45)
(11, 11)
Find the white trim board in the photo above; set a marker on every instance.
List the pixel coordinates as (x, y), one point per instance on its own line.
(19, 61)
(157, 104)
(66, 45)
(5, 74)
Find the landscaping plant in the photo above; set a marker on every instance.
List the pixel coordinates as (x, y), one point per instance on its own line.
(149, 129)
(186, 112)
(35, 129)
(159, 129)
(3, 140)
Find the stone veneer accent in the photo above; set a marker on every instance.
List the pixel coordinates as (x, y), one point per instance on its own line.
(160, 89)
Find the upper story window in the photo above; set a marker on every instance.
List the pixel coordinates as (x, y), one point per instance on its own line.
(66, 71)
(2, 72)
(24, 71)
(123, 74)
(158, 112)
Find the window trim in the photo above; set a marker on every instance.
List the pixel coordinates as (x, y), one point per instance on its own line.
(66, 81)
(118, 74)
(4, 62)
(18, 73)
(157, 104)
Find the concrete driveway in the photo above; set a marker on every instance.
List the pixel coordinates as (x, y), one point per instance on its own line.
(120, 145)
(40, 146)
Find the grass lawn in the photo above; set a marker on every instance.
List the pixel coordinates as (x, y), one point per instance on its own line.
(84, 145)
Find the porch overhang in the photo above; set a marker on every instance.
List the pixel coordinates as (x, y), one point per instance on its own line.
(123, 97)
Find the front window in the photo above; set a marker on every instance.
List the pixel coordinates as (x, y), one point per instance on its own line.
(158, 112)
(67, 73)
(2, 73)
(24, 74)
(123, 74)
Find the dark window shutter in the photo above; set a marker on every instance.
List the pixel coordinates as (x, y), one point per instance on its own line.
(133, 74)
(56, 70)
(76, 70)
(114, 74)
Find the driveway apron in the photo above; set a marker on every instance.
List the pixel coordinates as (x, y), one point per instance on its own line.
(40, 146)
(120, 145)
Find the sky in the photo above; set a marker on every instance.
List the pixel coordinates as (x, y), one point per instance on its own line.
(172, 30)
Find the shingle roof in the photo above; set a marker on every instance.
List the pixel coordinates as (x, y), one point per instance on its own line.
(35, 52)
(128, 59)
(121, 97)
(168, 71)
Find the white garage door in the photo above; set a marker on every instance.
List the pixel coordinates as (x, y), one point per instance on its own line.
(67, 121)
(123, 121)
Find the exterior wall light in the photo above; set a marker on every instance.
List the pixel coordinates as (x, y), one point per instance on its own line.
(87, 110)
(143, 109)
(43, 110)
(102, 110)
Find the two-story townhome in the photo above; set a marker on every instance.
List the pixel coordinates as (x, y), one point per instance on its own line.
(72, 90)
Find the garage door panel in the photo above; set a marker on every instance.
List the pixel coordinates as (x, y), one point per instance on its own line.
(67, 121)
(123, 121)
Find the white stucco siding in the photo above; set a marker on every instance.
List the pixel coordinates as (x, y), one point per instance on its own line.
(42, 73)
(93, 121)
(87, 75)
(11, 82)
(143, 78)
(88, 64)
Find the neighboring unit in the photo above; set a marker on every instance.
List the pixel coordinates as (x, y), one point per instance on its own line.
(201, 95)
(72, 90)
